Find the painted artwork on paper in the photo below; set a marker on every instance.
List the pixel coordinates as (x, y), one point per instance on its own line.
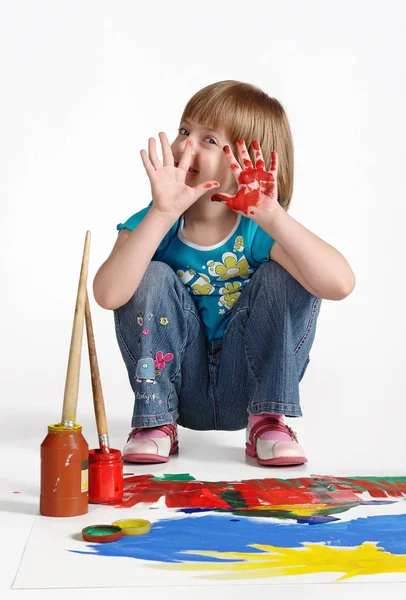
(268, 528)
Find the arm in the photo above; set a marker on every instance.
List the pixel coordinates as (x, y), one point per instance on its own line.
(120, 275)
(318, 267)
(279, 255)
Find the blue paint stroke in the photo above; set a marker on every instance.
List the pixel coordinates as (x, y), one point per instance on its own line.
(169, 537)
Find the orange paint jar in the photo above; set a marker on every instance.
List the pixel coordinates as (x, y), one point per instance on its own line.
(105, 477)
(64, 472)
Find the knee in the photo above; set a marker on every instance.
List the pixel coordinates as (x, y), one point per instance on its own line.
(280, 283)
(158, 276)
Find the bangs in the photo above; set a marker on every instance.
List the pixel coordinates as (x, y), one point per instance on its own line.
(213, 112)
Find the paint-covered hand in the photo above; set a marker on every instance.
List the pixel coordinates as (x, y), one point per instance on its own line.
(170, 194)
(257, 191)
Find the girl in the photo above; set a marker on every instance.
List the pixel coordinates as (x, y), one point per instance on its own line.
(216, 290)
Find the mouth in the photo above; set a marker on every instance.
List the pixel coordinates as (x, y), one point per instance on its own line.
(190, 170)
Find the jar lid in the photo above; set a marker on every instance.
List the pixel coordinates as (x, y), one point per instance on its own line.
(101, 533)
(134, 526)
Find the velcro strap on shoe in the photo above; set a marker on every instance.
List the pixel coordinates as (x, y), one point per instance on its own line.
(269, 424)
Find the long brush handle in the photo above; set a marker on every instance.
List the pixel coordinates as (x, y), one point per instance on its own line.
(70, 399)
(98, 400)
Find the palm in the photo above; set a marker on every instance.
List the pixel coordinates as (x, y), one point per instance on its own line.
(170, 193)
(257, 188)
(168, 183)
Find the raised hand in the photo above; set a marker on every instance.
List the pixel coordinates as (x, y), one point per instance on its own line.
(257, 191)
(170, 194)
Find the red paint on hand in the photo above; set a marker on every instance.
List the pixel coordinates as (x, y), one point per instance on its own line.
(257, 188)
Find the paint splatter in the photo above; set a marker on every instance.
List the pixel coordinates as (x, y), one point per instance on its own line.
(217, 544)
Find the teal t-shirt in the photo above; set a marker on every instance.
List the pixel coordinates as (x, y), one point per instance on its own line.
(214, 275)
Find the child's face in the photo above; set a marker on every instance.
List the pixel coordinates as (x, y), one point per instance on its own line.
(208, 157)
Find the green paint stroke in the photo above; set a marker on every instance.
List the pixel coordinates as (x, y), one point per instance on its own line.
(233, 498)
(98, 530)
(175, 477)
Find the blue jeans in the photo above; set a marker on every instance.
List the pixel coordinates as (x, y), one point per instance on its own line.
(178, 375)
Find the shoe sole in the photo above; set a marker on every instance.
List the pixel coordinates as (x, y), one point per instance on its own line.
(150, 458)
(281, 461)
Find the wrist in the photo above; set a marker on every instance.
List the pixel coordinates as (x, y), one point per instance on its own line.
(166, 218)
(268, 218)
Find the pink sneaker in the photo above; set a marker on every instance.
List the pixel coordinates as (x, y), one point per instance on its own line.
(273, 452)
(154, 449)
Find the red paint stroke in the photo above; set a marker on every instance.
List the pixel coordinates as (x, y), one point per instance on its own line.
(16, 492)
(326, 490)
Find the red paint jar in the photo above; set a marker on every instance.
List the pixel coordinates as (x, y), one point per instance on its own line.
(105, 476)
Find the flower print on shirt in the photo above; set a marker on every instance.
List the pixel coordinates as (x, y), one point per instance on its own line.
(230, 267)
(229, 295)
(239, 244)
(196, 283)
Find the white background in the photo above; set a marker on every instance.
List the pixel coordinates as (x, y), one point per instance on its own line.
(84, 84)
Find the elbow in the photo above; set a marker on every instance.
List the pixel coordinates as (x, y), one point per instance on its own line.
(104, 302)
(346, 289)
(107, 303)
(106, 299)
(102, 297)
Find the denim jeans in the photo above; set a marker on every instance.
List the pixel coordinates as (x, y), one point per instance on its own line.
(178, 375)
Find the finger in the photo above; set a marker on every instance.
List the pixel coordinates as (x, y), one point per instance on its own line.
(274, 165)
(186, 156)
(259, 159)
(153, 156)
(221, 198)
(243, 154)
(234, 166)
(147, 164)
(202, 188)
(166, 150)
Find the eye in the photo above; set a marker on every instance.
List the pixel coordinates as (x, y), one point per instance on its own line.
(206, 138)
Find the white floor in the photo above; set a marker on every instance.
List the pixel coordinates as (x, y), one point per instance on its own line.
(201, 453)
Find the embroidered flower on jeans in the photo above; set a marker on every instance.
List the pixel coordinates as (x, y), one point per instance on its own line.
(145, 331)
(161, 360)
(140, 320)
(164, 321)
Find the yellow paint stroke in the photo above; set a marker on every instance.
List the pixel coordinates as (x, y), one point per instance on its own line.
(300, 510)
(366, 559)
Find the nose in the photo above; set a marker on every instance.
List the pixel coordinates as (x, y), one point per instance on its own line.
(179, 148)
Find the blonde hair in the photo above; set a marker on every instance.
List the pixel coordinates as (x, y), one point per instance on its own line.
(246, 112)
